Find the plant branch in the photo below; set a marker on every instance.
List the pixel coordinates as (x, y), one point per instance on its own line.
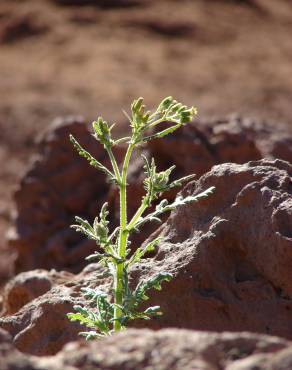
(114, 164)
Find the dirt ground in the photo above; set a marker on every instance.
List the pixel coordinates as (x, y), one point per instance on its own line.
(223, 56)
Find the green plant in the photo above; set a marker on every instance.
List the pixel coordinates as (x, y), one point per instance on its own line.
(107, 315)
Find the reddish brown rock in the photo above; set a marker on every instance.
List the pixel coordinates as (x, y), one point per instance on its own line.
(41, 327)
(35, 314)
(24, 288)
(5, 337)
(58, 186)
(231, 253)
(170, 349)
(8, 354)
(196, 148)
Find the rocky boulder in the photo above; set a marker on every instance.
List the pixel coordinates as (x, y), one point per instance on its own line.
(25, 287)
(170, 349)
(35, 305)
(196, 148)
(59, 184)
(230, 255)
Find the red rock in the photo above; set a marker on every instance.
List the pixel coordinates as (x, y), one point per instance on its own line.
(24, 288)
(231, 253)
(58, 185)
(170, 349)
(200, 146)
(38, 323)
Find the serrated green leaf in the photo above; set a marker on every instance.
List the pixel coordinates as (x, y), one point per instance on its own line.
(179, 201)
(103, 132)
(93, 293)
(81, 310)
(165, 104)
(162, 133)
(153, 311)
(140, 252)
(84, 231)
(155, 182)
(192, 198)
(92, 161)
(100, 226)
(83, 320)
(181, 181)
(153, 282)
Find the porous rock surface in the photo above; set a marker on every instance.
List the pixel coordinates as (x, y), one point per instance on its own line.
(59, 184)
(40, 325)
(230, 255)
(25, 287)
(170, 349)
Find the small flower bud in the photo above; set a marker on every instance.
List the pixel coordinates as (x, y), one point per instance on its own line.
(137, 104)
(166, 103)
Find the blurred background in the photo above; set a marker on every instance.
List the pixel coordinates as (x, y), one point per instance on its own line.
(92, 57)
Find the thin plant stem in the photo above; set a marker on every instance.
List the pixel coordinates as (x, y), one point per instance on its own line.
(114, 163)
(122, 239)
(137, 215)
